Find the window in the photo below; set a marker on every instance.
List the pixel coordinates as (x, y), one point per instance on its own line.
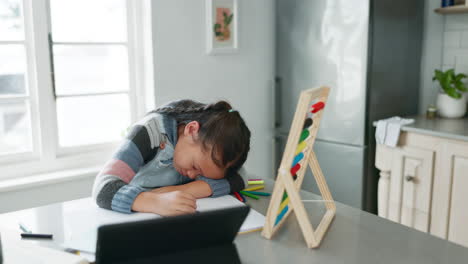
(15, 119)
(74, 74)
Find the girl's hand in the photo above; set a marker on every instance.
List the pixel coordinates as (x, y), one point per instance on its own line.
(165, 204)
(166, 189)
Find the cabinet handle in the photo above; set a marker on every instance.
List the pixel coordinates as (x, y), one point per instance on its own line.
(409, 178)
(277, 104)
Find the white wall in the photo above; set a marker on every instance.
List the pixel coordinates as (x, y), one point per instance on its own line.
(455, 43)
(445, 46)
(431, 53)
(245, 79)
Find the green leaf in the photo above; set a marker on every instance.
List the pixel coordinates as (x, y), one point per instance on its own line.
(446, 81)
(460, 76)
(450, 72)
(460, 86)
(452, 92)
(216, 29)
(229, 20)
(438, 75)
(225, 19)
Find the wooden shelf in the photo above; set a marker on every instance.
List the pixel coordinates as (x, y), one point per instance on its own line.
(457, 9)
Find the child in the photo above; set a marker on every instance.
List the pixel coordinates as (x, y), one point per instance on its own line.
(174, 155)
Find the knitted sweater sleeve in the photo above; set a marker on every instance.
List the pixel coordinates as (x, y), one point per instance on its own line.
(111, 189)
(225, 186)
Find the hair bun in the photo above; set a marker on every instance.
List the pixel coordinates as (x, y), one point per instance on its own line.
(219, 106)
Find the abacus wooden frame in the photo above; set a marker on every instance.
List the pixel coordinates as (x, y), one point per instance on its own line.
(285, 182)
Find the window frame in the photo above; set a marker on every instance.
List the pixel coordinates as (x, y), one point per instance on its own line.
(47, 155)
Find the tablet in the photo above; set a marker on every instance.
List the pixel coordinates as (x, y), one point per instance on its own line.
(198, 238)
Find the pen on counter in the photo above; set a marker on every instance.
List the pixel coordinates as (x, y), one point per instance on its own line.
(32, 235)
(29, 234)
(24, 228)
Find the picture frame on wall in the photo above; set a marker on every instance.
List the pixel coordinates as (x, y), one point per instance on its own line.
(222, 26)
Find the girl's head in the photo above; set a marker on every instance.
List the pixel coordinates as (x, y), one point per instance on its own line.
(213, 140)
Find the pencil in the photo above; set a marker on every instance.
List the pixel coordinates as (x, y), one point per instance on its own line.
(255, 188)
(256, 182)
(249, 195)
(238, 197)
(259, 193)
(243, 198)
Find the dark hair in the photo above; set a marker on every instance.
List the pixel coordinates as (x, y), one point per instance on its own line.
(221, 128)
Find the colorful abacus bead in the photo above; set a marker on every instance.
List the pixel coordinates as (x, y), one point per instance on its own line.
(295, 169)
(317, 107)
(305, 133)
(298, 158)
(282, 213)
(307, 123)
(300, 147)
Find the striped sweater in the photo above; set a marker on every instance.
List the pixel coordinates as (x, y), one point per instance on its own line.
(140, 164)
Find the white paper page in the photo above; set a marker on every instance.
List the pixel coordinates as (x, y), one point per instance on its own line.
(16, 251)
(82, 223)
(254, 219)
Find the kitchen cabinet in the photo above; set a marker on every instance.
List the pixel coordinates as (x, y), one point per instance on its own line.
(424, 180)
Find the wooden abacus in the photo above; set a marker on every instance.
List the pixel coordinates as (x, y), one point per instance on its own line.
(297, 156)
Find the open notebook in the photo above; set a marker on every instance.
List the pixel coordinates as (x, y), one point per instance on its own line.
(82, 223)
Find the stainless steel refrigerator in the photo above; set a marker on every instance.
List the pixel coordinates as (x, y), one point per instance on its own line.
(369, 53)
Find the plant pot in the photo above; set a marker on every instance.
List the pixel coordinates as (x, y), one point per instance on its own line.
(450, 107)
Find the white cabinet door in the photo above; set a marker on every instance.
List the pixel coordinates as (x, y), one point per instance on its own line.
(450, 198)
(410, 187)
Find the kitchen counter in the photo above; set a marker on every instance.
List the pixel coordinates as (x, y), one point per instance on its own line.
(354, 236)
(441, 127)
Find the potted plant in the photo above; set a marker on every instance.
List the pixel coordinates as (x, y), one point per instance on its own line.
(451, 100)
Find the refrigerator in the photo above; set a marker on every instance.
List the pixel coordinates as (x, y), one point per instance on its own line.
(369, 53)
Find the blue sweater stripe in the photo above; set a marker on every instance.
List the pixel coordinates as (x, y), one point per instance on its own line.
(123, 199)
(218, 187)
(130, 154)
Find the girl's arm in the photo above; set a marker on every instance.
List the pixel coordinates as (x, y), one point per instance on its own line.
(169, 203)
(198, 189)
(205, 187)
